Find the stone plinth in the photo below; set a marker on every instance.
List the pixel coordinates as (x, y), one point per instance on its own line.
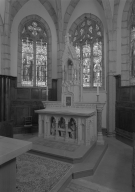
(9, 150)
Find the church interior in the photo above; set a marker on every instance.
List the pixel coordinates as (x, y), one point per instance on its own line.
(67, 95)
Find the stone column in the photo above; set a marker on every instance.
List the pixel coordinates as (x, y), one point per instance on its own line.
(40, 132)
(79, 127)
(48, 126)
(66, 136)
(111, 89)
(87, 131)
(57, 120)
(100, 139)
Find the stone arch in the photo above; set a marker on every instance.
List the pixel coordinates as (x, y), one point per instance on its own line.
(18, 4)
(125, 39)
(68, 14)
(72, 5)
(49, 50)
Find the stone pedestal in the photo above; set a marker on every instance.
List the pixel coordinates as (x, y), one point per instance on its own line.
(100, 139)
(9, 150)
(82, 132)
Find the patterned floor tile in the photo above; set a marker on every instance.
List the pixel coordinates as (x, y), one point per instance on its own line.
(39, 174)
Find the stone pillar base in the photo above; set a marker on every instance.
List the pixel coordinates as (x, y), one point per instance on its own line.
(100, 139)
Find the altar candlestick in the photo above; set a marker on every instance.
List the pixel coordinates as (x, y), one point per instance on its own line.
(97, 89)
(47, 92)
(97, 92)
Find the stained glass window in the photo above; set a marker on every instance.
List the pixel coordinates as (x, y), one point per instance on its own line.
(34, 55)
(88, 42)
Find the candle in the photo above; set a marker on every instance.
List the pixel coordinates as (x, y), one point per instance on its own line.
(47, 90)
(97, 89)
(47, 93)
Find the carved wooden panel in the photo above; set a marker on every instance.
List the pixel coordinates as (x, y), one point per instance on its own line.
(35, 93)
(125, 93)
(34, 115)
(133, 94)
(43, 95)
(21, 112)
(25, 100)
(125, 109)
(23, 93)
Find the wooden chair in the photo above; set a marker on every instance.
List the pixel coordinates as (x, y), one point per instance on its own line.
(28, 124)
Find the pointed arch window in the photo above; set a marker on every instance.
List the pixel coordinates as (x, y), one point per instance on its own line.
(34, 55)
(88, 41)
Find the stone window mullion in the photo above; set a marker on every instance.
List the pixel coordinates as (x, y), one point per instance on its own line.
(92, 65)
(34, 67)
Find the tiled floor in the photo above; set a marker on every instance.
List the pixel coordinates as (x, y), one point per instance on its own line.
(113, 173)
(114, 170)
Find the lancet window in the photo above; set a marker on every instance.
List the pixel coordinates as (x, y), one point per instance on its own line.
(34, 55)
(132, 41)
(88, 42)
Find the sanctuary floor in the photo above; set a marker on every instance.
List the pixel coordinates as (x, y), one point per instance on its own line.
(113, 174)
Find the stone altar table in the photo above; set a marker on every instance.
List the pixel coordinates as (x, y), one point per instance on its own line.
(71, 119)
(69, 124)
(9, 150)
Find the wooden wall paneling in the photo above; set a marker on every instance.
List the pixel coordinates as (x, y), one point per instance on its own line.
(7, 97)
(133, 121)
(35, 93)
(133, 94)
(43, 95)
(34, 115)
(125, 93)
(23, 93)
(118, 84)
(1, 98)
(21, 112)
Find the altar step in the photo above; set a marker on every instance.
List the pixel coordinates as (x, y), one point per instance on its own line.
(88, 166)
(85, 168)
(85, 160)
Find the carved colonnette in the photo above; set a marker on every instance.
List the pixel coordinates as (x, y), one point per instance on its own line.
(79, 129)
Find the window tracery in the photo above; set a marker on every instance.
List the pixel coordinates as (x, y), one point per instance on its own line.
(88, 41)
(34, 55)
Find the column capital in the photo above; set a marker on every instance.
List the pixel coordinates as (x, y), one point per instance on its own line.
(100, 106)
